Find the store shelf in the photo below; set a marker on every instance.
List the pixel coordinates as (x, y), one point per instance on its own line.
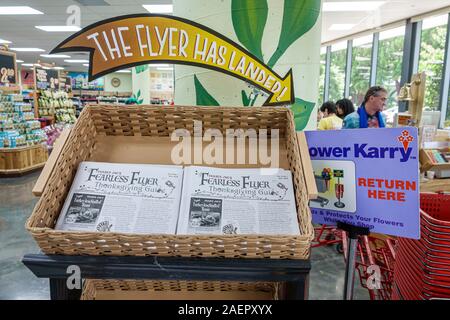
(293, 273)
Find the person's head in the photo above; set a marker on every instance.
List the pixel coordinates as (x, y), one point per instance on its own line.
(344, 107)
(375, 99)
(328, 108)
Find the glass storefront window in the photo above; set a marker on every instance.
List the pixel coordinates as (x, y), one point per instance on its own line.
(323, 57)
(337, 71)
(390, 53)
(431, 58)
(447, 118)
(360, 73)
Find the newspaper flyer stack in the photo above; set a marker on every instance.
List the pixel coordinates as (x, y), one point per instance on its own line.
(128, 198)
(156, 199)
(237, 201)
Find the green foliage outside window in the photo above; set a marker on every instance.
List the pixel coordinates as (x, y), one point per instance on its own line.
(337, 74)
(431, 60)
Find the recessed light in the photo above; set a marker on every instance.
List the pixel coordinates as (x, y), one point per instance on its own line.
(58, 68)
(352, 6)
(55, 56)
(341, 26)
(4, 41)
(76, 61)
(19, 10)
(58, 28)
(28, 49)
(86, 64)
(165, 69)
(158, 8)
(18, 60)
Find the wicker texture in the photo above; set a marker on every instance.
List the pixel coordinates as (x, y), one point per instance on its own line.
(92, 286)
(161, 121)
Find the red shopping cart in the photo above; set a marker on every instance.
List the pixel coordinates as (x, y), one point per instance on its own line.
(422, 267)
(374, 264)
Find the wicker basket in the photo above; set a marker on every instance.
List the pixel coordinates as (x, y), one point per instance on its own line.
(94, 289)
(94, 133)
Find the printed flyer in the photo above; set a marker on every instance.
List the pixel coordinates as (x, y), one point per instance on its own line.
(368, 178)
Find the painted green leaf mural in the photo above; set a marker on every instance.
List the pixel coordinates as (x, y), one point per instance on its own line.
(202, 96)
(249, 19)
(302, 111)
(245, 99)
(298, 18)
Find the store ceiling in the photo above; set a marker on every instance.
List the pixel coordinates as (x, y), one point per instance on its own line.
(20, 29)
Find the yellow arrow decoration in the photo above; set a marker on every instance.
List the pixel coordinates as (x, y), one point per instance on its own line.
(132, 40)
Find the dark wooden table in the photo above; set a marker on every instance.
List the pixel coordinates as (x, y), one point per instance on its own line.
(294, 274)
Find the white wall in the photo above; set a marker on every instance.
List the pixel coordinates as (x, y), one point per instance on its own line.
(125, 82)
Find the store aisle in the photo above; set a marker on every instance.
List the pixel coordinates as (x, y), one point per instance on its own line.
(17, 282)
(16, 204)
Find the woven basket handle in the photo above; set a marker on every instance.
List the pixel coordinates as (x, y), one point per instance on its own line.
(307, 166)
(42, 181)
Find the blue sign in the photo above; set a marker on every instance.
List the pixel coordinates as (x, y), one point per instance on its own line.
(367, 178)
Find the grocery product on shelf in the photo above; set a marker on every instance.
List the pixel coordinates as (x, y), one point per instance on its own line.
(56, 104)
(18, 128)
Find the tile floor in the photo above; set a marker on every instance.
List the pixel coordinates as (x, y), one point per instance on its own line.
(17, 282)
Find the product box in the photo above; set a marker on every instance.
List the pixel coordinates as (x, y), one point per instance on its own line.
(435, 160)
(142, 134)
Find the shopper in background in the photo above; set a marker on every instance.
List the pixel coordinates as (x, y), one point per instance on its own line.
(344, 107)
(330, 120)
(369, 113)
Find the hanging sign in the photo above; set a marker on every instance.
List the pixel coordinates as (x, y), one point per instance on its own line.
(46, 78)
(133, 40)
(8, 68)
(368, 178)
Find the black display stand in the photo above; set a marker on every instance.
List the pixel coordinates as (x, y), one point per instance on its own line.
(294, 274)
(353, 233)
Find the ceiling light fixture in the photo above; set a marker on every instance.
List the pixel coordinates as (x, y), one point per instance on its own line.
(76, 60)
(55, 56)
(58, 68)
(124, 71)
(2, 41)
(158, 8)
(27, 64)
(352, 6)
(28, 49)
(18, 60)
(164, 69)
(86, 64)
(341, 26)
(19, 10)
(58, 28)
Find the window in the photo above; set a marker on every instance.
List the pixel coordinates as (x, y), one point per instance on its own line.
(447, 118)
(337, 70)
(360, 73)
(323, 57)
(431, 58)
(389, 69)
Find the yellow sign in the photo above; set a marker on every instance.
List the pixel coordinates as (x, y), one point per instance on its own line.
(132, 40)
